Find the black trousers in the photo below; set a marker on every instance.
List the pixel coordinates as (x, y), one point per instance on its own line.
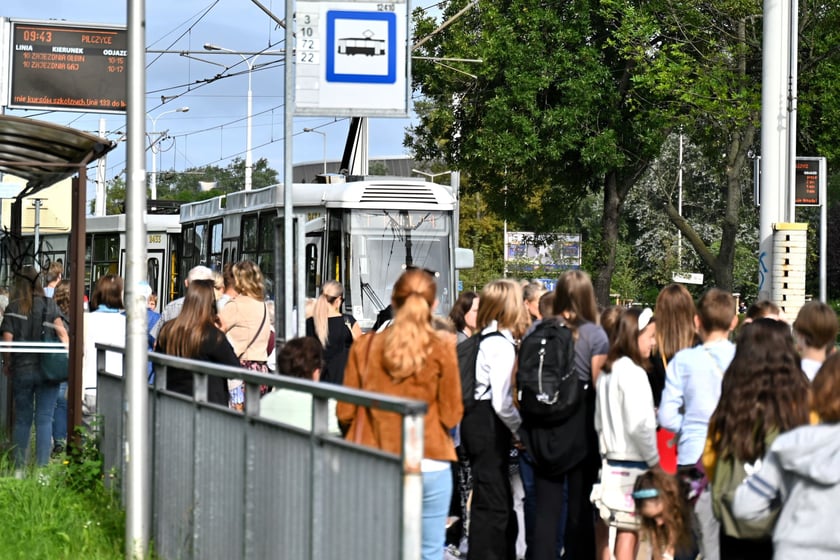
(492, 522)
(549, 508)
(744, 549)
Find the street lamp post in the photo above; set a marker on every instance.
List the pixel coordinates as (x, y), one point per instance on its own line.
(155, 149)
(248, 156)
(324, 136)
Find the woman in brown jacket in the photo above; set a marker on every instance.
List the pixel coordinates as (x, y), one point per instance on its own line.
(409, 359)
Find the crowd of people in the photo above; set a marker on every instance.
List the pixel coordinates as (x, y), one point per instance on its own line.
(691, 432)
(710, 430)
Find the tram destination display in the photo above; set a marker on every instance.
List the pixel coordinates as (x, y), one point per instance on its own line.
(71, 67)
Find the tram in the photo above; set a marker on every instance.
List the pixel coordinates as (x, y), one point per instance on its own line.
(362, 233)
(105, 247)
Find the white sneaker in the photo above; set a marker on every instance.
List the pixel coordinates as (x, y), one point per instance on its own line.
(19, 474)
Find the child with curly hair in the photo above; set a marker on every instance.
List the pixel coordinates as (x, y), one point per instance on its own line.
(664, 514)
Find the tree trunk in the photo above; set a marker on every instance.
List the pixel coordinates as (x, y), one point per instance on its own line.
(609, 237)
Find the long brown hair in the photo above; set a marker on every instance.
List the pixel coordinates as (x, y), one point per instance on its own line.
(764, 390)
(182, 336)
(408, 340)
(626, 341)
(27, 286)
(675, 313)
(62, 297)
(676, 515)
(575, 299)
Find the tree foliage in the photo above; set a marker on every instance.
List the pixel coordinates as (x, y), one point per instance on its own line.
(185, 186)
(579, 96)
(555, 109)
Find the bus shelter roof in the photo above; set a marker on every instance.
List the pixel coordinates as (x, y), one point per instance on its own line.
(44, 153)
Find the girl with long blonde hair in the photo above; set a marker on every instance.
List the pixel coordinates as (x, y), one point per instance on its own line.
(409, 359)
(333, 329)
(490, 425)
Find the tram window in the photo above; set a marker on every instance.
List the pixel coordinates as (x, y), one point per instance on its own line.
(311, 269)
(105, 248)
(153, 273)
(334, 250)
(216, 243)
(249, 234)
(266, 233)
(189, 241)
(201, 242)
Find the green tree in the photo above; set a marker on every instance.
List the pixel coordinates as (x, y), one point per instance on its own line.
(553, 110)
(185, 185)
(114, 197)
(481, 230)
(713, 70)
(656, 237)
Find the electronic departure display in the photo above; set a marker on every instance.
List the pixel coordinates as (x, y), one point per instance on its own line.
(808, 181)
(72, 67)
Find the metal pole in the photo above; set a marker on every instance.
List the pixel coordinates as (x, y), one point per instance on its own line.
(248, 155)
(36, 252)
(455, 184)
(679, 206)
(324, 138)
(155, 150)
(136, 405)
(823, 231)
(156, 139)
(101, 189)
(288, 178)
(792, 102)
(773, 136)
(412, 507)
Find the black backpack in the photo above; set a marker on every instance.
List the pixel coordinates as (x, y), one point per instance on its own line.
(546, 381)
(467, 357)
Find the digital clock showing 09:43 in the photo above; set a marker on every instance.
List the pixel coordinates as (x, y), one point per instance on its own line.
(37, 35)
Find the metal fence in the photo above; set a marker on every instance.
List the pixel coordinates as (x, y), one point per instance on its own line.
(226, 484)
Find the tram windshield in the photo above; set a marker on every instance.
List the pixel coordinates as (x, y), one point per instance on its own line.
(382, 244)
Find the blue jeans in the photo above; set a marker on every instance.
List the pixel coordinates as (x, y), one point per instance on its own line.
(28, 387)
(59, 427)
(437, 492)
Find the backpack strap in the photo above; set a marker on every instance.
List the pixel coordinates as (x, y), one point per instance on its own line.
(478, 349)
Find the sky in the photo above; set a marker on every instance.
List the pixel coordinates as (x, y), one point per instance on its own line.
(213, 131)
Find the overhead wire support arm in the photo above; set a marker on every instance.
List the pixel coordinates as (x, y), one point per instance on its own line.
(442, 26)
(277, 20)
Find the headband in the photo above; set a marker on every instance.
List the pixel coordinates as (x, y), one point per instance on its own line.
(645, 493)
(644, 318)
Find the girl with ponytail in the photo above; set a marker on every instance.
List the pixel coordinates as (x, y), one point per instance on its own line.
(409, 359)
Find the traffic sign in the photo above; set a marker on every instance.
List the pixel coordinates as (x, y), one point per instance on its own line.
(352, 59)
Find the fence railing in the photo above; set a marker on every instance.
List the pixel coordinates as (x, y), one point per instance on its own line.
(228, 484)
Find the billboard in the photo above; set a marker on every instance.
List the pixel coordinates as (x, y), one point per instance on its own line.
(67, 66)
(526, 251)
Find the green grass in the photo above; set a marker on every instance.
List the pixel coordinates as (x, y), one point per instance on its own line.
(60, 511)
